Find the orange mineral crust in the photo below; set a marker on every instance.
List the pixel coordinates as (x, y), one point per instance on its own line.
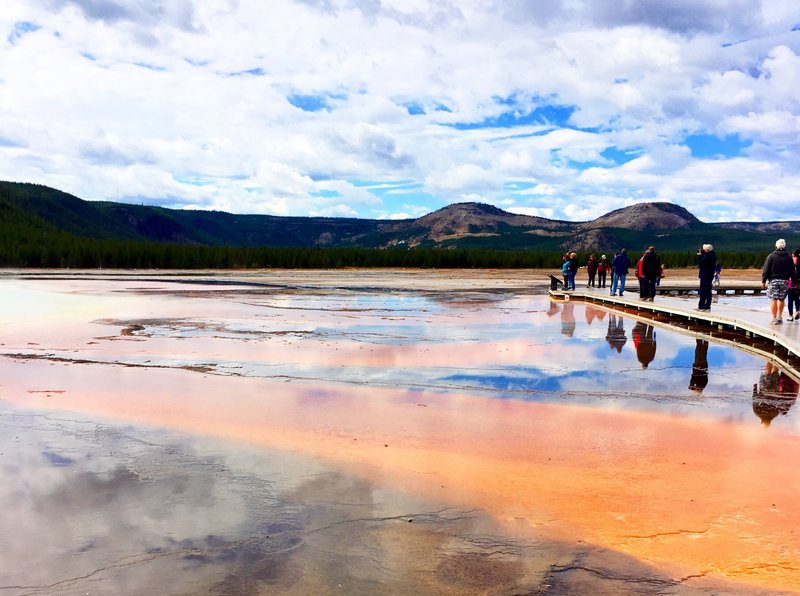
(692, 495)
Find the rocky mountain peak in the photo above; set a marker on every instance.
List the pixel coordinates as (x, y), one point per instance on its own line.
(646, 216)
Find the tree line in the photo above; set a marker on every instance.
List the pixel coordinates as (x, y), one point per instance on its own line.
(33, 247)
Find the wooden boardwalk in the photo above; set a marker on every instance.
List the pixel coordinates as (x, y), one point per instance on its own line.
(744, 326)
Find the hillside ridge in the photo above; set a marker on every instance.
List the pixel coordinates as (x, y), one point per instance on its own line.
(465, 225)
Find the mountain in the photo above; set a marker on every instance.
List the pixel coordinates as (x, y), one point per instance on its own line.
(647, 216)
(463, 225)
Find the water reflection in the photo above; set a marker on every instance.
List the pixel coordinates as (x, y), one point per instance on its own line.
(774, 394)
(699, 378)
(568, 323)
(439, 409)
(615, 336)
(644, 338)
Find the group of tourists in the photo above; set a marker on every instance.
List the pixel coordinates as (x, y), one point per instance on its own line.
(649, 270)
(780, 276)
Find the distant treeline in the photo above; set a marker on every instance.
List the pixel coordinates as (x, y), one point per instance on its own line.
(23, 246)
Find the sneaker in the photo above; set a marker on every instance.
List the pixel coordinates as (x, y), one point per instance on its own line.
(790, 318)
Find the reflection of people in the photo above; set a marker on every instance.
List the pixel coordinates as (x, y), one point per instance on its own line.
(706, 264)
(593, 313)
(644, 338)
(774, 393)
(777, 271)
(568, 319)
(699, 378)
(616, 332)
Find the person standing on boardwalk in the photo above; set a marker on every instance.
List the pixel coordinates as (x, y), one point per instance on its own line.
(640, 277)
(651, 271)
(778, 269)
(591, 270)
(603, 266)
(569, 269)
(619, 271)
(707, 265)
(794, 290)
(573, 269)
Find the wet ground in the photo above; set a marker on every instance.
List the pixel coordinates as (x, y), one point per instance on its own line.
(285, 436)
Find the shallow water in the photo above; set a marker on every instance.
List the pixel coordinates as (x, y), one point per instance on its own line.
(313, 440)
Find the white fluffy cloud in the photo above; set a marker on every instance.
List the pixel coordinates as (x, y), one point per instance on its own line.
(325, 107)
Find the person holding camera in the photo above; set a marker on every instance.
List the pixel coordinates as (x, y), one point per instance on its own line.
(706, 263)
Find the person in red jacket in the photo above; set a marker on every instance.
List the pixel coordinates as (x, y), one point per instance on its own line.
(603, 267)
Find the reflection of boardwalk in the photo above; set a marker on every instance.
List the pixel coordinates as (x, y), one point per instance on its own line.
(616, 332)
(746, 327)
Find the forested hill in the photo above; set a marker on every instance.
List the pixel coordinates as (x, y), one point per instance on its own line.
(42, 226)
(122, 221)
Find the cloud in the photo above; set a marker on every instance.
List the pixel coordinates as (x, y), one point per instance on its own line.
(177, 13)
(272, 107)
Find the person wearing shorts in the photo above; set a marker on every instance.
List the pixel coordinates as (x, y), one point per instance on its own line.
(778, 269)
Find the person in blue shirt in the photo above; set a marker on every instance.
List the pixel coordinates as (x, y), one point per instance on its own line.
(619, 270)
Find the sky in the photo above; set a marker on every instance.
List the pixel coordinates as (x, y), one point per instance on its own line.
(391, 109)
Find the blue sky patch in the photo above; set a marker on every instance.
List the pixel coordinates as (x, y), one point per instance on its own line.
(328, 194)
(6, 142)
(548, 115)
(706, 145)
(250, 72)
(309, 103)
(618, 156)
(150, 66)
(21, 29)
(414, 109)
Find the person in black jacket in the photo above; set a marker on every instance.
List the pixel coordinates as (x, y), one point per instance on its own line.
(651, 271)
(775, 275)
(706, 263)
